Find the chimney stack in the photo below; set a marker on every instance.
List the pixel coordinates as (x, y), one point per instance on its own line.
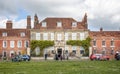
(28, 22)
(9, 24)
(101, 29)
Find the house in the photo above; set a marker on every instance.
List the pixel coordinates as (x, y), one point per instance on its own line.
(105, 42)
(60, 30)
(14, 41)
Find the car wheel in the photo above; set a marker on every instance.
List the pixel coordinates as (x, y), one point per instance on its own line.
(107, 58)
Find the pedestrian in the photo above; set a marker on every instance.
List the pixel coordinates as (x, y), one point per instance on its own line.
(46, 56)
(56, 57)
(117, 56)
(61, 57)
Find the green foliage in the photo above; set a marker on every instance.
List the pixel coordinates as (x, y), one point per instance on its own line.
(41, 44)
(84, 43)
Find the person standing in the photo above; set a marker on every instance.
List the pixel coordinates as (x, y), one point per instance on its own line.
(46, 56)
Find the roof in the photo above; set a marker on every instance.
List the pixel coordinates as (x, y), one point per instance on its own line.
(15, 32)
(105, 33)
(66, 23)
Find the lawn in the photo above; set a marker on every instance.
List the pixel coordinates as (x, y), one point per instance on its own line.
(60, 67)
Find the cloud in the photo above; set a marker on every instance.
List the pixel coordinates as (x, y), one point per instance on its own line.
(8, 7)
(101, 13)
(21, 23)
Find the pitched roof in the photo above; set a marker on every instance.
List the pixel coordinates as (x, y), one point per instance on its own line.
(15, 32)
(66, 23)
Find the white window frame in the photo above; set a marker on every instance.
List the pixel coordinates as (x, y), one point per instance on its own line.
(74, 24)
(74, 48)
(19, 44)
(37, 36)
(4, 53)
(66, 36)
(25, 42)
(59, 24)
(82, 50)
(74, 36)
(44, 24)
(52, 36)
(82, 36)
(112, 44)
(66, 48)
(4, 44)
(45, 36)
(94, 43)
(104, 44)
(4, 34)
(22, 34)
(12, 44)
(59, 36)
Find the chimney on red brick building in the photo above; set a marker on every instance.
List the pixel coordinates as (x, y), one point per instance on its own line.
(84, 20)
(101, 29)
(9, 24)
(28, 22)
(36, 21)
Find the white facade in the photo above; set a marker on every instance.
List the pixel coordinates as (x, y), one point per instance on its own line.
(60, 38)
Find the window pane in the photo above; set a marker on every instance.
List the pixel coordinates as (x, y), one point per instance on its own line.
(82, 36)
(44, 24)
(37, 36)
(66, 36)
(112, 43)
(52, 36)
(22, 34)
(74, 36)
(59, 36)
(74, 24)
(12, 44)
(4, 34)
(19, 44)
(103, 43)
(4, 54)
(4, 44)
(45, 36)
(59, 24)
(94, 43)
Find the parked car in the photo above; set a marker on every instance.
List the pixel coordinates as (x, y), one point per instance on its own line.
(17, 58)
(99, 57)
(25, 57)
(104, 57)
(95, 56)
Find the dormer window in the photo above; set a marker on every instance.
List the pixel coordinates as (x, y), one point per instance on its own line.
(4, 34)
(74, 24)
(44, 24)
(22, 34)
(59, 24)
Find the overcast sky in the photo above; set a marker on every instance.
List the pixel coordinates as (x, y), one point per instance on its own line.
(101, 13)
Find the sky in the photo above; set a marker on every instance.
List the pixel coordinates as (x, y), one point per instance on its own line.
(101, 13)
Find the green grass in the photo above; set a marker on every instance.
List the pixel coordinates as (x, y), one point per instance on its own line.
(61, 67)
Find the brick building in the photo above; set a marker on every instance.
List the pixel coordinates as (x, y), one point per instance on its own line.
(60, 30)
(14, 41)
(105, 42)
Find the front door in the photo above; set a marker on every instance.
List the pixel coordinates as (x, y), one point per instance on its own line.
(59, 51)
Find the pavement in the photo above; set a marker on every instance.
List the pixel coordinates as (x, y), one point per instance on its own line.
(52, 58)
